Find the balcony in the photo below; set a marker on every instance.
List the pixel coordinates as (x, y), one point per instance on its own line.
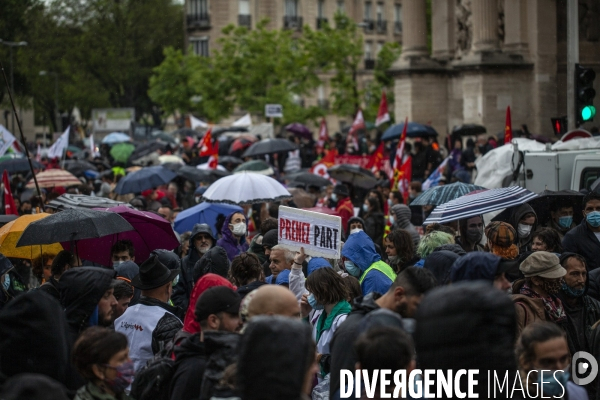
(198, 21)
(323, 104)
(245, 20)
(369, 63)
(398, 28)
(368, 25)
(292, 22)
(381, 26)
(321, 22)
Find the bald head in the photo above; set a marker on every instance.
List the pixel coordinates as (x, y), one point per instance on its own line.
(273, 300)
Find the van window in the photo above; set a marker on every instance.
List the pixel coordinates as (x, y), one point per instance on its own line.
(588, 176)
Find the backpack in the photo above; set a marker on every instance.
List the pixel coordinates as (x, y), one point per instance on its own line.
(153, 381)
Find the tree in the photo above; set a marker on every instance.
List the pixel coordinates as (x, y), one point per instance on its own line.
(389, 53)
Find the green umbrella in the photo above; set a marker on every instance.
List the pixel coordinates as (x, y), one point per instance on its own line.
(122, 151)
(74, 149)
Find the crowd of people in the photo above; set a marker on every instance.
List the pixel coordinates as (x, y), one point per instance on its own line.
(232, 314)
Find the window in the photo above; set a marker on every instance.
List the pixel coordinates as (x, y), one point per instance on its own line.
(321, 92)
(341, 6)
(379, 47)
(200, 45)
(397, 18)
(368, 51)
(291, 8)
(379, 11)
(244, 7)
(198, 7)
(321, 9)
(367, 10)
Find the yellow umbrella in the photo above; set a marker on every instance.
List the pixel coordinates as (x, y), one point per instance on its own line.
(11, 232)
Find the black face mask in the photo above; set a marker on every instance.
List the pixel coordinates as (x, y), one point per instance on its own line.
(26, 211)
(474, 235)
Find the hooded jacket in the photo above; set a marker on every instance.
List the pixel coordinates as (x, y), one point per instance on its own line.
(129, 270)
(402, 215)
(517, 213)
(229, 242)
(341, 346)
(360, 249)
(209, 280)
(215, 261)
(244, 290)
(374, 226)
(80, 292)
(183, 289)
(440, 264)
(475, 266)
(583, 241)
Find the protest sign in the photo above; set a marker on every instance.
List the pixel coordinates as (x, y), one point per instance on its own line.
(319, 234)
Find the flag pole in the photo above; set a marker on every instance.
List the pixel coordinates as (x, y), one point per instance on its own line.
(22, 136)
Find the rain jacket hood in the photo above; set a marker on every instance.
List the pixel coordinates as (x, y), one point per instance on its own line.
(440, 264)
(80, 291)
(475, 266)
(229, 242)
(214, 261)
(516, 214)
(403, 214)
(128, 270)
(315, 263)
(360, 249)
(209, 280)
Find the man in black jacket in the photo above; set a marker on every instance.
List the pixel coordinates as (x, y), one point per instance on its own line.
(201, 241)
(217, 313)
(585, 238)
(403, 297)
(63, 261)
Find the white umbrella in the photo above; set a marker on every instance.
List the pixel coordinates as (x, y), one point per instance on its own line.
(169, 158)
(207, 167)
(246, 188)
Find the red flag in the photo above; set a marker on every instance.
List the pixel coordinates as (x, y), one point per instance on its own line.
(358, 124)
(9, 203)
(213, 161)
(376, 160)
(402, 169)
(205, 145)
(400, 150)
(383, 114)
(323, 135)
(404, 178)
(508, 127)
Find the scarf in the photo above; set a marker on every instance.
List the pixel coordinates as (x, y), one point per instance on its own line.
(552, 304)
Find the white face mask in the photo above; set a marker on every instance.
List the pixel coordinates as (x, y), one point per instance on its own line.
(238, 229)
(355, 230)
(524, 230)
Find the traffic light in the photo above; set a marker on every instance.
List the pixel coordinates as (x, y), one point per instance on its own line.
(584, 94)
(559, 125)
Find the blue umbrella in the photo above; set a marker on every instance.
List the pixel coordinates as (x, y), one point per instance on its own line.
(414, 130)
(144, 179)
(116, 137)
(203, 213)
(442, 194)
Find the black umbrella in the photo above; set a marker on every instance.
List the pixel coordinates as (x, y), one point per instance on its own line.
(67, 201)
(145, 178)
(78, 167)
(219, 131)
(269, 146)
(185, 132)
(71, 225)
(200, 175)
(5, 219)
(19, 165)
(309, 179)
(147, 148)
(353, 174)
(468, 129)
(230, 160)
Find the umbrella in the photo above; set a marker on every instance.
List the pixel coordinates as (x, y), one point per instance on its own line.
(146, 178)
(74, 149)
(203, 213)
(78, 167)
(122, 151)
(164, 136)
(468, 129)
(269, 146)
(147, 148)
(147, 160)
(414, 130)
(200, 175)
(219, 168)
(246, 188)
(239, 145)
(82, 201)
(480, 203)
(299, 130)
(101, 163)
(225, 129)
(442, 194)
(150, 232)
(5, 219)
(184, 132)
(116, 137)
(12, 231)
(302, 198)
(54, 177)
(71, 225)
(309, 179)
(16, 165)
(353, 174)
(170, 159)
(230, 160)
(323, 210)
(256, 166)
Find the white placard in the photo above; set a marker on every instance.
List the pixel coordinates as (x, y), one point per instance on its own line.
(319, 234)
(273, 111)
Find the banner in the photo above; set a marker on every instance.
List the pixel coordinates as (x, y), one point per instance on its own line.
(6, 140)
(319, 234)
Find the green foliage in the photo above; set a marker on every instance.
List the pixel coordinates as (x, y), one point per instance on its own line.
(389, 53)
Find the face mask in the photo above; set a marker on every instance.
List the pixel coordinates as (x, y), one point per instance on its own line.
(389, 201)
(392, 219)
(554, 382)
(569, 291)
(393, 259)
(524, 230)
(314, 303)
(593, 218)
(565, 222)
(365, 208)
(334, 197)
(238, 229)
(117, 263)
(123, 379)
(355, 230)
(474, 235)
(551, 286)
(351, 268)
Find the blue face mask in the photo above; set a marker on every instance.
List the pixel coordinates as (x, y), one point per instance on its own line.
(334, 197)
(565, 222)
(365, 208)
(569, 291)
(392, 219)
(593, 218)
(314, 303)
(553, 381)
(351, 268)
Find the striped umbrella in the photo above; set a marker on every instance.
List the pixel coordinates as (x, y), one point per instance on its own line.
(480, 203)
(439, 195)
(54, 178)
(67, 201)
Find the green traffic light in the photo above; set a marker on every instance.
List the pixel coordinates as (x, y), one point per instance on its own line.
(588, 112)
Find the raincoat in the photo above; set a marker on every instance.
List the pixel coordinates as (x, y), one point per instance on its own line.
(190, 324)
(230, 243)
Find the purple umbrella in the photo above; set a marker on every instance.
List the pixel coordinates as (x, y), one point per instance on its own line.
(151, 232)
(299, 130)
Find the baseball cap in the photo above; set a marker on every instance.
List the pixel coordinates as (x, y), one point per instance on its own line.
(215, 300)
(543, 264)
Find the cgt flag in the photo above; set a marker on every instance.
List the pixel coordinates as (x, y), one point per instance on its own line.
(376, 161)
(323, 135)
(205, 145)
(358, 124)
(402, 168)
(213, 160)
(9, 202)
(508, 127)
(383, 114)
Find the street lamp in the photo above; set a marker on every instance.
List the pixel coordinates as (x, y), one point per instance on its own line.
(57, 113)
(12, 79)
